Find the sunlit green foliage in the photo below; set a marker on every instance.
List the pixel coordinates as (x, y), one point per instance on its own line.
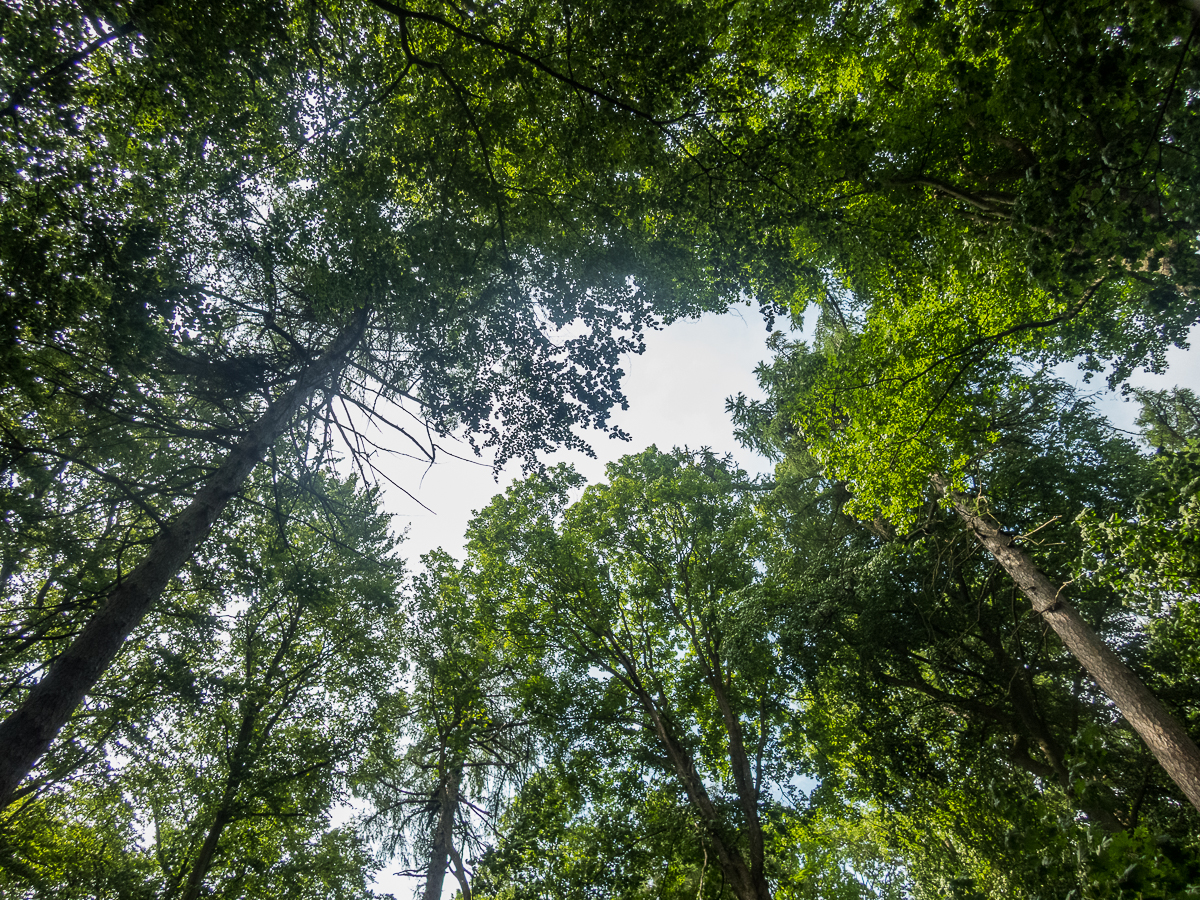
(194, 197)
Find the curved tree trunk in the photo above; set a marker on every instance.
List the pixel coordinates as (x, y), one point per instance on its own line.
(1167, 739)
(738, 875)
(28, 732)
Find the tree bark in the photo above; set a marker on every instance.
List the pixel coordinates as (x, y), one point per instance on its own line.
(443, 837)
(747, 785)
(460, 872)
(204, 860)
(1167, 739)
(738, 875)
(224, 814)
(28, 732)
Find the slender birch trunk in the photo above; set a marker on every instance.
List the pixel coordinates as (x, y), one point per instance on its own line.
(1167, 739)
(28, 732)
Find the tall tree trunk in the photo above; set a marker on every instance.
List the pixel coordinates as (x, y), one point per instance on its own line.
(1171, 745)
(443, 837)
(204, 859)
(738, 875)
(27, 733)
(745, 781)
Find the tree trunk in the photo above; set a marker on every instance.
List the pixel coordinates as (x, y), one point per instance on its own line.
(733, 866)
(737, 874)
(204, 860)
(27, 733)
(443, 837)
(1171, 745)
(460, 872)
(747, 784)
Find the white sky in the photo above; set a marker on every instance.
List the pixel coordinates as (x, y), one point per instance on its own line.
(676, 392)
(1183, 370)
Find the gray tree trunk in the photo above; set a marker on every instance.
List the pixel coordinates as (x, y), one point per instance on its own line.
(739, 876)
(1167, 739)
(28, 732)
(443, 836)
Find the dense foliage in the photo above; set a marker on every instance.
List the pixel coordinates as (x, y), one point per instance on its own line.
(241, 241)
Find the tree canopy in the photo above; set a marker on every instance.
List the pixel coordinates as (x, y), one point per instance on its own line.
(947, 651)
(412, 210)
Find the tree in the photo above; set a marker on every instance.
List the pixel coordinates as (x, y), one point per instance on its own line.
(1023, 174)
(242, 712)
(981, 220)
(887, 437)
(938, 713)
(450, 749)
(372, 242)
(1149, 556)
(1169, 419)
(594, 829)
(1170, 742)
(280, 716)
(643, 604)
(81, 846)
(984, 222)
